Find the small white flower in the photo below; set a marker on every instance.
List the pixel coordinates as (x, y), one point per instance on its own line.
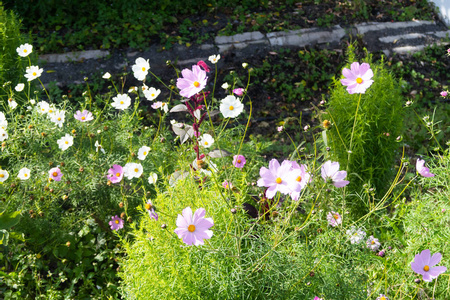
(132, 89)
(121, 101)
(3, 175)
(225, 86)
(3, 135)
(98, 147)
(132, 170)
(244, 65)
(206, 140)
(24, 50)
(144, 87)
(32, 101)
(43, 107)
(33, 72)
(19, 87)
(152, 178)
(65, 142)
(2, 117)
(373, 243)
(58, 117)
(140, 68)
(214, 58)
(106, 75)
(356, 235)
(3, 124)
(151, 93)
(12, 104)
(231, 107)
(143, 152)
(24, 174)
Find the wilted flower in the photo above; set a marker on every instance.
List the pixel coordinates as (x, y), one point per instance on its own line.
(106, 75)
(151, 210)
(98, 147)
(140, 68)
(19, 87)
(24, 50)
(115, 174)
(193, 230)
(132, 170)
(244, 65)
(214, 58)
(143, 152)
(121, 101)
(206, 140)
(239, 161)
(357, 78)
(65, 142)
(55, 174)
(330, 170)
(192, 82)
(33, 72)
(116, 223)
(151, 93)
(225, 86)
(83, 116)
(275, 178)
(422, 170)
(424, 263)
(373, 243)
(3, 175)
(239, 91)
(24, 174)
(334, 219)
(356, 235)
(231, 107)
(152, 178)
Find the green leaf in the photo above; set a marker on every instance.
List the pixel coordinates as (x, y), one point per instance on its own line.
(8, 220)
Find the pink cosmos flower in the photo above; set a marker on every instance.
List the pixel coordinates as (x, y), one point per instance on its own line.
(317, 298)
(238, 92)
(444, 93)
(157, 105)
(424, 263)
(116, 223)
(83, 116)
(239, 161)
(334, 219)
(276, 178)
(357, 78)
(422, 170)
(373, 243)
(280, 128)
(193, 230)
(192, 82)
(298, 179)
(227, 185)
(55, 174)
(115, 174)
(330, 170)
(151, 210)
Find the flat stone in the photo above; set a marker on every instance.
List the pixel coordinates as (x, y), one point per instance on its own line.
(394, 38)
(305, 37)
(441, 34)
(239, 38)
(409, 49)
(207, 47)
(375, 26)
(74, 56)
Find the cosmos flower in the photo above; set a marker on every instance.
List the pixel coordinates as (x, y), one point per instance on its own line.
(33, 72)
(152, 178)
(444, 93)
(231, 107)
(151, 210)
(132, 170)
(225, 86)
(83, 116)
(143, 152)
(65, 142)
(192, 82)
(422, 170)
(115, 174)
(214, 58)
(424, 264)
(206, 140)
(11, 103)
(356, 235)
(99, 147)
(121, 101)
(151, 93)
(116, 223)
(275, 178)
(24, 174)
(298, 178)
(43, 107)
(239, 161)
(3, 135)
(58, 117)
(334, 219)
(106, 75)
(140, 68)
(357, 78)
(239, 92)
(373, 243)
(3, 175)
(330, 170)
(194, 229)
(19, 87)
(24, 50)
(55, 174)
(382, 297)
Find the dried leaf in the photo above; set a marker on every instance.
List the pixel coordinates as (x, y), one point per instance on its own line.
(179, 108)
(219, 153)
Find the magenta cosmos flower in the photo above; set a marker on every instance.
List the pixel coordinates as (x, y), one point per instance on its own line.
(193, 230)
(424, 264)
(192, 82)
(239, 161)
(116, 223)
(276, 178)
(55, 174)
(83, 116)
(151, 210)
(357, 78)
(422, 170)
(239, 91)
(334, 219)
(330, 170)
(115, 174)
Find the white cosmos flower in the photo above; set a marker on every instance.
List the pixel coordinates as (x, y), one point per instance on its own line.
(231, 107)
(143, 152)
(58, 117)
(151, 93)
(33, 72)
(2, 117)
(24, 50)
(132, 89)
(214, 58)
(152, 178)
(51, 110)
(32, 101)
(225, 86)
(24, 173)
(3, 124)
(121, 101)
(140, 68)
(3, 175)
(206, 140)
(3, 135)
(65, 142)
(132, 170)
(19, 87)
(356, 235)
(12, 103)
(98, 146)
(106, 75)
(43, 107)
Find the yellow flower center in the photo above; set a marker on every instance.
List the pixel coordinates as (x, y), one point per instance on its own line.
(372, 242)
(25, 175)
(143, 69)
(25, 50)
(117, 174)
(191, 228)
(59, 119)
(34, 73)
(206, 143)
(326, 124)
(2, 175)
(278, 180)
(359, 80)
(66, 142)
(382, 298)
(231, 107)
(299, 178)
(83, 118)
(145, 153)
(196, 84)
(426, 268)
(117, 221)
(239, 161)
(336, 216)
(121, 102)
(136, 170)
(148, 206)
(153, 95)
(55, 174)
